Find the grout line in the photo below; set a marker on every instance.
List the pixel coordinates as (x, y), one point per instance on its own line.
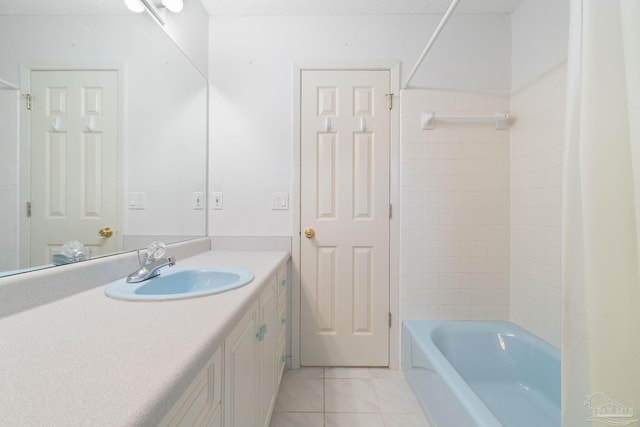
(324, 397)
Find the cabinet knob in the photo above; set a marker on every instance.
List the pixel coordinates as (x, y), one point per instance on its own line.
(261, 333)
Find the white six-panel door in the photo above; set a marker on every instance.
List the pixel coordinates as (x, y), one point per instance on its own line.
(73, 161)
(344, 210)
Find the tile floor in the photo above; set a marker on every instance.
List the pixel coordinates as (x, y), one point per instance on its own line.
(346, 397)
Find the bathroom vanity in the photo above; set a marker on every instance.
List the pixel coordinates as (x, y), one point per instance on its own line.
(88, 359)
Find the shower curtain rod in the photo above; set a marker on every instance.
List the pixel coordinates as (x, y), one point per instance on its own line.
(435, 35)
(7, 84)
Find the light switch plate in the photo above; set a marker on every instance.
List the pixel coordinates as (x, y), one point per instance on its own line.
(198, 200)
(216, 200)
(137, 201)
(280, 201)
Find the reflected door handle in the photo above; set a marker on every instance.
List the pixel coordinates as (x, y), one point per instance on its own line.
(106, 232)
(309, 233)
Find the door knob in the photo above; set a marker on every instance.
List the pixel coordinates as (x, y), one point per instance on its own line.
(309, 233)
(106, 232)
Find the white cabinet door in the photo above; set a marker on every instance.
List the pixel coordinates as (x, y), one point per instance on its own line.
(253, 364)
(282, 321)
(241, 403)
(268, 346)
(201, 404)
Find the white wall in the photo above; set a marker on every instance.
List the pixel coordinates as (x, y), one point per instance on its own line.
(251, 75)
(540, 34)
(9, 103)
(189, 29)
(540, 30)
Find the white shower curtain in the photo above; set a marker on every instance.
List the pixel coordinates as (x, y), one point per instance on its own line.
(601, 216)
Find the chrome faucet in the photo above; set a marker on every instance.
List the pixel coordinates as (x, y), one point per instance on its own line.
(150, 269)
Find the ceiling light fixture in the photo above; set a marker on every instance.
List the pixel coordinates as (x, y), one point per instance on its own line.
(134, 5)
(157, 8)
(155, 11)
(174, 6)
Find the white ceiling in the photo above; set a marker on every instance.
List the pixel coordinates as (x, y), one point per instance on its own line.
(62, 7)
(354, 7)
(268, 7)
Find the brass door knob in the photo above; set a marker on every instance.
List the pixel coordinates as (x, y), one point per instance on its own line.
(309, 233)
(106, 232)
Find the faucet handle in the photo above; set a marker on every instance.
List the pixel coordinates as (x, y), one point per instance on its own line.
(154, 252)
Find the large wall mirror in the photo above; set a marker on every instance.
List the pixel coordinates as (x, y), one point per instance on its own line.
(109, 148)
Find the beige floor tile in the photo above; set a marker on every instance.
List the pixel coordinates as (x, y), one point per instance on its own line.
(350, 395)
(300, 395)
(346, 397)
(303, 373)
(347, 373)
(297, 419)
(395, 396)
(405, 420)
(386, 373)
(353, 420)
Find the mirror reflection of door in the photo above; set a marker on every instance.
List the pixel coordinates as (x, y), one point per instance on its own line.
(74, 161)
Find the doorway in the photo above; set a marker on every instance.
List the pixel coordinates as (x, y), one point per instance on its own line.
(345, 217)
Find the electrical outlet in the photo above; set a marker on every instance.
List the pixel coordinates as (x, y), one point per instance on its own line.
(216, 200)
(198, 200)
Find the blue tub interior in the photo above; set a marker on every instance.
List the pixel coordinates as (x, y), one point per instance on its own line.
(497, 373)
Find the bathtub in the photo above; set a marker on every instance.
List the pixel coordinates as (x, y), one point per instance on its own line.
(481, 374)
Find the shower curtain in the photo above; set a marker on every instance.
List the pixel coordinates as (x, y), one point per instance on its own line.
(601, 216)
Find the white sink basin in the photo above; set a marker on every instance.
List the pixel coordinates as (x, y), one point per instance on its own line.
(181, 282)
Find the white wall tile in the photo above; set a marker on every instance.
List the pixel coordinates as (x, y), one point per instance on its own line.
(455, 219)
(536, 194)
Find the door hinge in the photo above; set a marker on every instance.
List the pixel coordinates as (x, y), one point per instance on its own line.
(29, 100)
(389, 319)
(390, 210)
(389, 100)
(28, 209)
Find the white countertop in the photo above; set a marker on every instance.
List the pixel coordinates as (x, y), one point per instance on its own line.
(89, 360)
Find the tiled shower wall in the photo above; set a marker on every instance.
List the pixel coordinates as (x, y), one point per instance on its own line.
(455, 209)
(8, 179)
(537, 150)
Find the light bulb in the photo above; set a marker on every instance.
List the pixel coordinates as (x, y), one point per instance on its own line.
(134, 5)
(174, 6)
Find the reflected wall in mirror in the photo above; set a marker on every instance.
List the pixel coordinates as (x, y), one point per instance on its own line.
(110, 147)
